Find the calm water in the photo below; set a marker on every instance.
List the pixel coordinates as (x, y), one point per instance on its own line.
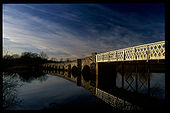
(51, 92)
(42, 91)
(156, 80)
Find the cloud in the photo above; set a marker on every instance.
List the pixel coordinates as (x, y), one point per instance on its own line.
(78, 31)
(52, 42)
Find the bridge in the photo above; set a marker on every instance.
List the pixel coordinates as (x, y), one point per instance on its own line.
(117, 75)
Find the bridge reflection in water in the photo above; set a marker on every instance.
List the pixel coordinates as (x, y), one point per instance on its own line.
(127, 79)
(125, 86)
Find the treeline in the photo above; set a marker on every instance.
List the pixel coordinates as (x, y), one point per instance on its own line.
(25, 59)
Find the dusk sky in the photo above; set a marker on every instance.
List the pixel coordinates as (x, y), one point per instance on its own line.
(77, 30)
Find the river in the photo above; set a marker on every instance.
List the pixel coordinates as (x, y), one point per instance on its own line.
(55, 90)
(50, 92)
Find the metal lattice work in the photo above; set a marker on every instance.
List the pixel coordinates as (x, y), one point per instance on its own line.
(143, 82)
(130, 53)
(129, 79)
(142, 52)
(157, 51)
(114, 101)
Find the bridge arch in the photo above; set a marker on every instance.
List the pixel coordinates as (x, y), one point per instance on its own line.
(74, 71)
(86, 73)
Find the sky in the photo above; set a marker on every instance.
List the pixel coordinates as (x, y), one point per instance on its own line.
(78, 30)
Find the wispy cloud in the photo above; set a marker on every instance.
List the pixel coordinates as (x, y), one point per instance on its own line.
(78, 31)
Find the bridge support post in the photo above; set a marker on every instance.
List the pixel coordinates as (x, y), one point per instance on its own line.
(148, 72)
(106, 77)
(79, 72)
(94, 57)
(59, 69)
(96, 74)
(69, 70)
(137, 74)
(63, 70)
(122, 75)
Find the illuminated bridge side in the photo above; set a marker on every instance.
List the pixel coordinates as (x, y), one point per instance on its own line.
(152, 51)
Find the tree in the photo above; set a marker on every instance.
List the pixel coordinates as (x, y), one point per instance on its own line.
(8, 57)
(61, 59)
(29, 55)
(43, 55)
(53, 59)
(67, 60)
(5, 51)
(15, 56)
(9, 89)
(56, 59)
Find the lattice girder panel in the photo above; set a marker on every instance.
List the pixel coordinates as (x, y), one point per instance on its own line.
(99, 58)
(143, 82)
(129, 54)
(130, 82)
(120, 55)
(113, 56)
(157, 50)
(141, 52)
(106, 57)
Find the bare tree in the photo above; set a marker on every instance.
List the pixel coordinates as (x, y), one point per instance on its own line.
(7, 57)
(15, 56)
(43, 55)
(29, 55)
(5, 51)
(9, 91)
(56, 59)
(61, 59)
(53, 59)
(67, 60)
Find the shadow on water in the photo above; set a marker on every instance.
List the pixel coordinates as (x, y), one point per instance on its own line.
(32, 75)
(13, 80)
(10, 84)
(28, 75)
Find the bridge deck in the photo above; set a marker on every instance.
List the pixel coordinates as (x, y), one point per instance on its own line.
(152, 51)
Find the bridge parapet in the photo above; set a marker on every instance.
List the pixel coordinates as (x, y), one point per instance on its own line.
(152, 51)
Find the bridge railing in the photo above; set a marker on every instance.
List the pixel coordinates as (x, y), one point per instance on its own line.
(142, 52)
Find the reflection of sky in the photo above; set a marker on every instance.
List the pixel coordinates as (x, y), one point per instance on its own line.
(77, 30)
(38, 95)
(157, 84)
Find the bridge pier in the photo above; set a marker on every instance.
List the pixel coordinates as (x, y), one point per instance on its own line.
(63, 70)
(122, 70)
(97, 74)
(79, 63)
(148, 70)
(106, 76)
(69, 70)
(136, 71)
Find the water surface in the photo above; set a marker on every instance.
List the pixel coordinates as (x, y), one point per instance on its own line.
(54, 92)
